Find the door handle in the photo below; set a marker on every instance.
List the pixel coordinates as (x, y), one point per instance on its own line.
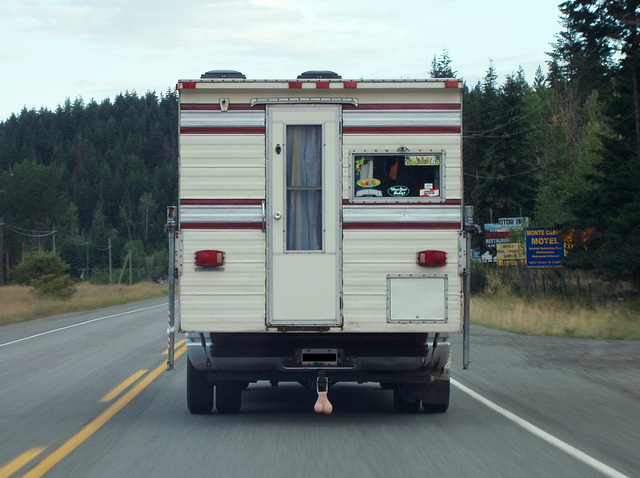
(277, 215)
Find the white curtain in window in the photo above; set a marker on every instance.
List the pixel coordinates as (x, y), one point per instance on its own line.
(304, 187)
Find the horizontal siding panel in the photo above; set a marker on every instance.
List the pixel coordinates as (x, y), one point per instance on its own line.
(222, 166)
(238, 143)
(204, 160)
(205, 186)
(209, 118)
(400, 118)
(215, 300)
(224, 151)
(369, 257)
(202, 317)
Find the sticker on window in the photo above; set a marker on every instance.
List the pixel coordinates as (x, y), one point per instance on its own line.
(369, 193)
(368, 183)
(430, 160)
(398, 191)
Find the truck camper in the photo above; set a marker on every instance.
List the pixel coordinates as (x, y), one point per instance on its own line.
(319, 236)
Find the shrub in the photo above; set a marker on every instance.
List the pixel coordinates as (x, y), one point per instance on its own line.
(46, 273)
(479, 279)
(61, 287)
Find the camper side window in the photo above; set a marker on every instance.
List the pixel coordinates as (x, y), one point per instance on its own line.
(397, 176)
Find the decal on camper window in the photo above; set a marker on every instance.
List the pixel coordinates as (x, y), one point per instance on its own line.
(368, 183)
(398, 191)
(397, 175)
(369, 193)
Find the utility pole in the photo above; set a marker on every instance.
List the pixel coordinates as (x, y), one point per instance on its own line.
(109, 261)
(171, 329)
(87, 258)
(1, 251)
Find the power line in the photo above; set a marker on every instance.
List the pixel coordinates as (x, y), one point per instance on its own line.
(34, 233)
(27, 232)
(502, 177)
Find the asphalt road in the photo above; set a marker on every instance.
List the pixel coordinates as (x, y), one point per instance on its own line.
(527, 407)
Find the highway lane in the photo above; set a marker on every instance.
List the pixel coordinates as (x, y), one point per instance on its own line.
(54, 371)
(581, 392)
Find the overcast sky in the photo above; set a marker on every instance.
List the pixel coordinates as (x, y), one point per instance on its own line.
(51, 50)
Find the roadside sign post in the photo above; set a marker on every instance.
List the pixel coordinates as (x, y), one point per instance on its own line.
(171, 329)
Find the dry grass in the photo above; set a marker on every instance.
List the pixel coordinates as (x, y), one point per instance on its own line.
(19, 303)
(499, 311)
(556, 317)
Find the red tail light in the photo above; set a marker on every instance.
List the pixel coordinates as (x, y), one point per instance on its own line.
(432, 258)
(209, 258)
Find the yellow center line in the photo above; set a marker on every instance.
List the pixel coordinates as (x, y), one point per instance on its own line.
(18, 462)
(123, 385)
(76, 440)
(178, 344)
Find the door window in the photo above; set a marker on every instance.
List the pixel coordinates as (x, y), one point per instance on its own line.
(304, 187)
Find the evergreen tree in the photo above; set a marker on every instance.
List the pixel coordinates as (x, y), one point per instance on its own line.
(441, 67)
(500, 164)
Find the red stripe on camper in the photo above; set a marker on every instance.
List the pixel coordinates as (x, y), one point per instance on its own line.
(221, 225)
(401, 225)
(216, 107)
(220, 202)
(401, 129)
(222, 130)
(405, 106)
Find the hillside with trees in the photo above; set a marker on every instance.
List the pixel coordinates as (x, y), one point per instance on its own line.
(562, 149)
(90, 181)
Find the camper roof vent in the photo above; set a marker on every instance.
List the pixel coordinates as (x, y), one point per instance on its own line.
(319, 75)
(223, 74)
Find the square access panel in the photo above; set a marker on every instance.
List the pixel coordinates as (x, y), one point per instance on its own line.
(417, 298)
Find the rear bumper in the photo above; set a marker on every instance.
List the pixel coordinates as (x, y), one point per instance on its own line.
(392, 358)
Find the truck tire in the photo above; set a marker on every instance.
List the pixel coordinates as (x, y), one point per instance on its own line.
(229, 397)
(438, 397)
(199, 391)
(401, 405)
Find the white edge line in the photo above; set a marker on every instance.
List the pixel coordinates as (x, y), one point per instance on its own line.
(79, 324)
(583, 457)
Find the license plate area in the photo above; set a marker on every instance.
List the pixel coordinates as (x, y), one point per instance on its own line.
(319, 357)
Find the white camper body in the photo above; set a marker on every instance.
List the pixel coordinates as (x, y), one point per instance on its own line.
(320, 234)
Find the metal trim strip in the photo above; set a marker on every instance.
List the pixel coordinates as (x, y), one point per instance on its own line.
(393, 214)
(401, 118)
(220, 214)
(220, 119)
